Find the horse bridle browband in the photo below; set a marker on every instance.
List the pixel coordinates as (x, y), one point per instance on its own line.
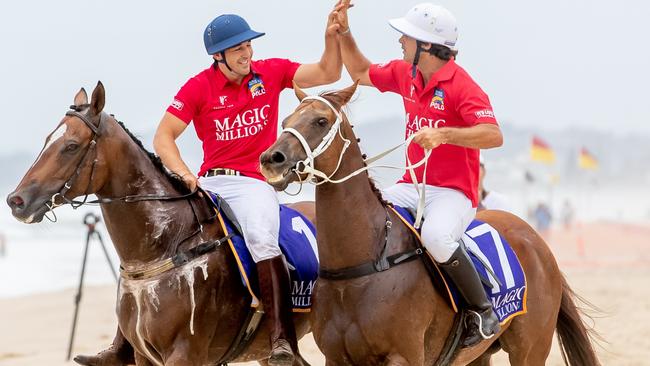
(165, 265)
(308, 163)
(75, 111)
(51, 205)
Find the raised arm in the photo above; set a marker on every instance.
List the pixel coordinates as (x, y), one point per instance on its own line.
(355, 62)
(328, 69)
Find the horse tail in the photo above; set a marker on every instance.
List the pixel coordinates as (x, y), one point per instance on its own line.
(574, 336)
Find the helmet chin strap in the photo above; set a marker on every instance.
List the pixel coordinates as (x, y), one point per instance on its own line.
(223, 60)
(416, 59)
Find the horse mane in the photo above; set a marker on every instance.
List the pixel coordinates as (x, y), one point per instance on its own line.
(371, 182)
(173, 178)
(376, 191)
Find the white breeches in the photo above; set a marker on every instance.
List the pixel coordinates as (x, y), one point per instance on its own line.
(447, 213)
(257, 209)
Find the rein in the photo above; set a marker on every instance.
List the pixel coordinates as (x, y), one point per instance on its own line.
(159, 267)
(384, 262)
(52, 204)
(325, 143)
(308, 164)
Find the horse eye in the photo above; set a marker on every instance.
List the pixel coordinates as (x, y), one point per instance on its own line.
(71, 148)
(322, 121)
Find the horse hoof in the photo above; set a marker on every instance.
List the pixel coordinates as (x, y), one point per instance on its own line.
(86, 360)
(102, 359)
(281, 360)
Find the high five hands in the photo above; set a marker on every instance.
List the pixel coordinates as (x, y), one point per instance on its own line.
(337, 21)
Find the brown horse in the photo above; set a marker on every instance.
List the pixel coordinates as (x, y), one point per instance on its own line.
(396, 317)
(187, 315)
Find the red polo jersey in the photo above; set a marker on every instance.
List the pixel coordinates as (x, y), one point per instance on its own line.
(235, 123)
(450, 99)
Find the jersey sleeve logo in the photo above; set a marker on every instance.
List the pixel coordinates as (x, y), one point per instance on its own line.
(177, 104)
(486, 113)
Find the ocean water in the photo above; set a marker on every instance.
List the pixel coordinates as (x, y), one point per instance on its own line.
(47, 256)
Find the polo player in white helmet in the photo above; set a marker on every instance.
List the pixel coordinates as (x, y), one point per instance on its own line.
(449, 114)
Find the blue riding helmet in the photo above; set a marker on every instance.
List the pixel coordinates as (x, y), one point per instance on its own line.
(225, 31)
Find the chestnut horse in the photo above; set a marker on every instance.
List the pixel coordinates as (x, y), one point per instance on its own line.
(187, 315)
(396, 317)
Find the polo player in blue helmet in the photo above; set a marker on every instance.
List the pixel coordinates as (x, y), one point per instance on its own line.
(237, 88)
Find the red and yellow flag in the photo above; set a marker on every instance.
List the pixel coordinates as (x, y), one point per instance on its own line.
(540, 151)
(586, 160)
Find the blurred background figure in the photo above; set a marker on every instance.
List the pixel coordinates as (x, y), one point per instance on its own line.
(567, 214)
(543, 219)
(490, 200)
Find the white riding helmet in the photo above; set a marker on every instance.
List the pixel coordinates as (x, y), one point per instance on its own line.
(428, 23)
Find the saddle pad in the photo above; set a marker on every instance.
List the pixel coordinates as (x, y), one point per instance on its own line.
(492, 257)
(297, 243)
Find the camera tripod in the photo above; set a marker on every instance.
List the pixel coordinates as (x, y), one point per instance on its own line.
(90, 220)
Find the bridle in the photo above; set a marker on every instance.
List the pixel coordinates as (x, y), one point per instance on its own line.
(52, 204)
(384, 261)
(308, 163)
(178, 259)
(75, 111)
(306, 166)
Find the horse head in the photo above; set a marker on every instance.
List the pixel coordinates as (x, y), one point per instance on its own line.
(308, 144)
(67, 164)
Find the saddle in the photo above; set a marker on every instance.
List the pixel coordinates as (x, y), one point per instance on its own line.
(297, 242)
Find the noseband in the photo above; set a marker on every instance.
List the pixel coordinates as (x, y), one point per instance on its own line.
(308, 163)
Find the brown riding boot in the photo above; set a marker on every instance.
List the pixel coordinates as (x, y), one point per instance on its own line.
(120, 353)
(275, 287)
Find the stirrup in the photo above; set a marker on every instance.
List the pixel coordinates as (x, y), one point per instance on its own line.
(480, 325)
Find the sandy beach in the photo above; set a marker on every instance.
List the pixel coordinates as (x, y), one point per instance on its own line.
(607, 263)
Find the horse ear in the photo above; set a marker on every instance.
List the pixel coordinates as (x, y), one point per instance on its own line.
(347, 93)
(343, 96)
(98, 99)
(299, 93)
(81, 97)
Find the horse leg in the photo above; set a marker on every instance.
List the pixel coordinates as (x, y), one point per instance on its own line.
(529, 337)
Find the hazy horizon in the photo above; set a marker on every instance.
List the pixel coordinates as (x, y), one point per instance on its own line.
(550, 65)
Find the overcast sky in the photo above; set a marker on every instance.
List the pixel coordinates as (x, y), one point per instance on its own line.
(551, 63)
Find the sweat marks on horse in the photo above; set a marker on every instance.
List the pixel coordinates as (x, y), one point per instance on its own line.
(395, 316)
(151, 218)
